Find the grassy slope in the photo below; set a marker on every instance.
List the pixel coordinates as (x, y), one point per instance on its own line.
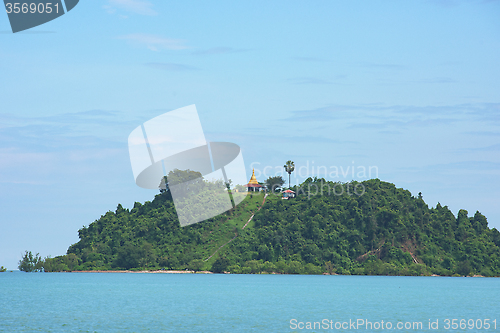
(234, 222)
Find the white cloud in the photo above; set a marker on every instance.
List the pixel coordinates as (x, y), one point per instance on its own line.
(154, 42)
(141, 7)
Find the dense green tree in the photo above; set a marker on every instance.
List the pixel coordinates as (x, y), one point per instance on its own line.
(2, 269)
(61, 263)
(30, 262)
(274, 183)
(181, 176)
(220, 265)
(128, 256)
(196, 265)
(177, 176)
(329, 267)
(464, 268)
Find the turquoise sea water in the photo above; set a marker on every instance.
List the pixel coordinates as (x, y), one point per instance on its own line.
(141, 302)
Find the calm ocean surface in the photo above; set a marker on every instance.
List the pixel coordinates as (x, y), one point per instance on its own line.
(141, 302)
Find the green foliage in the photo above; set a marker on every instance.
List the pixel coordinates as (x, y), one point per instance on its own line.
(327, 228)
(65, 263)
(30, 262)
(274, 183)
(329, 267)
(220, 265)
(132, 256)
(196, 265)
(181, 176)
(2, 269)
(149, 237)
(128, 256)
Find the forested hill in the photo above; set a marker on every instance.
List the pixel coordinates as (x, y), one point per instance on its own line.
(381, 230)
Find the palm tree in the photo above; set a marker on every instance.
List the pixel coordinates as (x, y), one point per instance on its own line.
(289, 167)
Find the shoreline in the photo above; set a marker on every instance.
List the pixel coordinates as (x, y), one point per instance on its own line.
(149, 272)
(229, 273)
(273, 273)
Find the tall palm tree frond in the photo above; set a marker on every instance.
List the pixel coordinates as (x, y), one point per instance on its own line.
(289, 168)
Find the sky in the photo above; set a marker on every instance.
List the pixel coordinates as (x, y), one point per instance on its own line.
(408, 90)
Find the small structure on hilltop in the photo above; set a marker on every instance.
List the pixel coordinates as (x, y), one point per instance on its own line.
(288, 194)
(253, 185)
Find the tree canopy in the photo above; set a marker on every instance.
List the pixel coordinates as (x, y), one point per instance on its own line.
(368, 227)
(274, 183)
(30, 262)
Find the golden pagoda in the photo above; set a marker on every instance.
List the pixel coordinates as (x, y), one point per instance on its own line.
(253, 180)
(253, 184)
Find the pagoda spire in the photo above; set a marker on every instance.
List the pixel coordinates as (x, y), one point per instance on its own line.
(253, 180)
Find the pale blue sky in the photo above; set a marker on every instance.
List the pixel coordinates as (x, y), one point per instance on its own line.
(409, 87)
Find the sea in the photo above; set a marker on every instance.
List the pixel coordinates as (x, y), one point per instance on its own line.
(145, 302)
